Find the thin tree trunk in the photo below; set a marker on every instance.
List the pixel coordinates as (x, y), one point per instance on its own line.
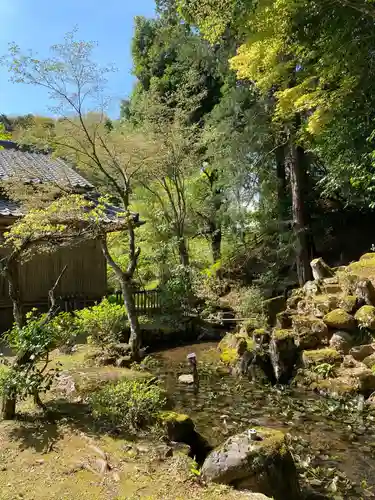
(216, 245)
(125, 279)
(297, 166)
(282, 202)
(183, 252)
(135, 340)
(8, 408)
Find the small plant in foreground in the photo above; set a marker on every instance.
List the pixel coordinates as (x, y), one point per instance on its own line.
(325, 370)
(131, 404)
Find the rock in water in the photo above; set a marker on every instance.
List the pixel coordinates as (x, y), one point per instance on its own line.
(186, 379)
(263, 465)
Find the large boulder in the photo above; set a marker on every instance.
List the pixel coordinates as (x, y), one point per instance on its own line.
(365, 317)
(320, 356)
(283, 353)
(233, 347)
(309, 332)
(358, 376)
(340, 319)
(341, 342)
(263, 464)
(369, 361)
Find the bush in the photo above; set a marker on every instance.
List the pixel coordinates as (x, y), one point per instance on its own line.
(38, 337)
(176, 293)
(104, 323)
(131, 404)
(248, 303)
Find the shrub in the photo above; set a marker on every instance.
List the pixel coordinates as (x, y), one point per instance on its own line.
(104, 323)
(176, 293)
(38, 337)
(131, 404)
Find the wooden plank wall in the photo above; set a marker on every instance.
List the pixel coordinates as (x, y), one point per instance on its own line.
(85, 277)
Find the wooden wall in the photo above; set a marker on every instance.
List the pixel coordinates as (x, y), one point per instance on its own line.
(85, 277)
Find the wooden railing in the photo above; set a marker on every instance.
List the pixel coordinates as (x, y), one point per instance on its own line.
(145, 300)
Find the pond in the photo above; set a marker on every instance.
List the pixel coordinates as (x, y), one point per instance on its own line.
(332, 441)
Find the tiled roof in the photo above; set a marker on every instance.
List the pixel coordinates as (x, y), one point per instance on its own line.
(9, 208)
(16, 162)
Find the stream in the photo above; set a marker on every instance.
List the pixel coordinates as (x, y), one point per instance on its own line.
(332, 441)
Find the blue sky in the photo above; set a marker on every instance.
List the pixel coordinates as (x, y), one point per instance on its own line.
(38, 24)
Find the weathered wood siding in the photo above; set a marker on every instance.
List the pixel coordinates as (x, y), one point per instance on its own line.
(85, 277)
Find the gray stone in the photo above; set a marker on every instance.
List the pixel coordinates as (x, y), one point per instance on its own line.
(186, 379)
(341, 341)
(283, 354)
(262, 465)
(124, 362)
(361, 352)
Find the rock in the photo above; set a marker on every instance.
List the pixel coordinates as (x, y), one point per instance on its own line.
(311, 288)
(320, 269)
(341, 342)
(309, 332)
(361, 352)
(360, 376)
(319, 356)
(371, 400)
(181, 428)
(323, 304)
(336, 387)
(283, 354)
(365, 292)
(65, 383)
(369, 361)
(283, 320)
(348, 303)
(265, 465)
(124, 362)
(233, 346)
(340, 319)
(365, 317)
(261, 336)
(186, 379)
(349, 362)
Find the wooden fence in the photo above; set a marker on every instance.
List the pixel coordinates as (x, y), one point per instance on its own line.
(145, 300)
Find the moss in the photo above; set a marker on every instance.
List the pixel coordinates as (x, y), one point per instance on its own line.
(340, 319)
(366, 256)
(348, 303)
(249, 341)
(366, 317)
(172, 416)
(364, 268)
(229, 355)
(318, 356)
(282, 334)
(273, 440)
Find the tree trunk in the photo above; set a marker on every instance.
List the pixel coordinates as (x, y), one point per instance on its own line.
(15, 293)
(183, 252)
(282, 201)
(297, 165)
(135, 340)
(8, 408)
(216, 237)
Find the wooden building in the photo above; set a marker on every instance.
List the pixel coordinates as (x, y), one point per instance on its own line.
(85, 277)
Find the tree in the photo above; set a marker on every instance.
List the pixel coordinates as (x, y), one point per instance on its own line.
(110, 154)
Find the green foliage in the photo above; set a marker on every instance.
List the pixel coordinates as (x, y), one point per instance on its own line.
(176, 291)
(35, 340)
(249, 304)
(129, 404)
(325, 370)
(103, 323)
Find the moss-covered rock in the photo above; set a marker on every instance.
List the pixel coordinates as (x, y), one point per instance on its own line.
(365, 317)
(348, 303)
(233, 346)
(340, 319)
(369, 361)
(339, 386)
(262, 465)
(309, 332)
(283, 320)
(319, 356)
(322, 304)
(320, 269)
(283, 354)
(359, 376)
